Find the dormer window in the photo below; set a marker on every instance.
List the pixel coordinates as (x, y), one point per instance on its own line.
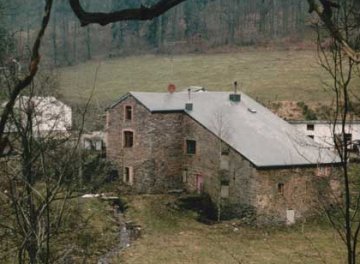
(128, 113)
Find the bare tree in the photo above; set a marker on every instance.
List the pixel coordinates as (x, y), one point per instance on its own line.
(324, 10)
(37, 177)
(31, 208)
(220, 124)
(86, 18)
(340, 61)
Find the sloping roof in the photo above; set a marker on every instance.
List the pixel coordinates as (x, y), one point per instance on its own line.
(49, 114)
(251, 129)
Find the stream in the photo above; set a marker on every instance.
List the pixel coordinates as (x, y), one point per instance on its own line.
(127, 233)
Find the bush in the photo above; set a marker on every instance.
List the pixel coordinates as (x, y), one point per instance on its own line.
(97, 172)
(308, 113)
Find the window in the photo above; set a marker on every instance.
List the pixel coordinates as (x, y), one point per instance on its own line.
(6, 146)
(225, 150)
(87, 144)
(184, 175)
(311, 136)
(323, 171)
(128, 112)
(128, 175)
(190, 146)
(280, 188)
(310, 127)
(347, 140)
(128, 139)
(98, 145)
(224, 192)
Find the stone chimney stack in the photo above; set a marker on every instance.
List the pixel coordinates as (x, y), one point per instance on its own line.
(189, 105)
(235, 97)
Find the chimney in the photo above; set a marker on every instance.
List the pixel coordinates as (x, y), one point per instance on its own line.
(189, 105)
(235, 97)
(171, 88)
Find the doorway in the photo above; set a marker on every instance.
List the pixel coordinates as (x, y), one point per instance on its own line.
(199, 183)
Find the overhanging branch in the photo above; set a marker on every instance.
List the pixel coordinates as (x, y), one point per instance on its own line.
(141, 13)
(33, 68)
(324, 12)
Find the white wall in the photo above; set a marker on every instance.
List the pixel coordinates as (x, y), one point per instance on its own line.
(323, 131)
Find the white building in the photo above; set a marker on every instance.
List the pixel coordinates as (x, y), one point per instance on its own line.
(93, 141)
(323, 132)
(49, 115)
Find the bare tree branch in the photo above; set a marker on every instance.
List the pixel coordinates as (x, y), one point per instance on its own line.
(325, 13)
(33, 68)
(142, 13)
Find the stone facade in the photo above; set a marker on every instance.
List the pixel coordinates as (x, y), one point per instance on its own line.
(159, 162)
(157, 150)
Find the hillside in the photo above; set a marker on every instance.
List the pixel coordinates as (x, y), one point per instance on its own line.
(266, 75)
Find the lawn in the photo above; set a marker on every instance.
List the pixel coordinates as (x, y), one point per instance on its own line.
(172, 236)
(266, 75)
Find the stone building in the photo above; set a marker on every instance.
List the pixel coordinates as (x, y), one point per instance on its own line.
(226, 145)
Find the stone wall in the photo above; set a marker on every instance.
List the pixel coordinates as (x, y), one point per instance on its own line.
(220, 166)
(160, 162)
(303, 191)
(157, 151)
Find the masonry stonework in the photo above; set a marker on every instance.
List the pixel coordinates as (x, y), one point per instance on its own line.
(157, 147)
(160, 163)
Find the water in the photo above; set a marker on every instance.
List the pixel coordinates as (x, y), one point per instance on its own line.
(124, 239)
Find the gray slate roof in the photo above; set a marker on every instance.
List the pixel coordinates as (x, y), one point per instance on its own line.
(251, 129)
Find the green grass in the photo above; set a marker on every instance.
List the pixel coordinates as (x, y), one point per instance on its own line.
(170, 236)
(266, 75)
(93, 229)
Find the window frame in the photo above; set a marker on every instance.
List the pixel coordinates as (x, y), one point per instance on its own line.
(310, 127)
(187, 146)
(280, 188)
(124, 141)
(128, 177)
(126, 107)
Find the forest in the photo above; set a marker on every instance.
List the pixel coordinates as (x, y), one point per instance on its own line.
(194, 26)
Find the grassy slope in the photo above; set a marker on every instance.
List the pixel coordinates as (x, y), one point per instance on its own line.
(171, 236)
(267, 75)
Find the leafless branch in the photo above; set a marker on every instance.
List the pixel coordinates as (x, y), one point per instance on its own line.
(141, 13)
(33, 68)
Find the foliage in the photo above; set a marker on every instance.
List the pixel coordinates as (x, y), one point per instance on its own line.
(308, 113)
(98, 173)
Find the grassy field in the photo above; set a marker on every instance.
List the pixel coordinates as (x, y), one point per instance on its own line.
(266, 75)
(171, 236)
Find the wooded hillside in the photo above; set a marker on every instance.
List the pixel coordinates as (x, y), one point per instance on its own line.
(194, 26)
